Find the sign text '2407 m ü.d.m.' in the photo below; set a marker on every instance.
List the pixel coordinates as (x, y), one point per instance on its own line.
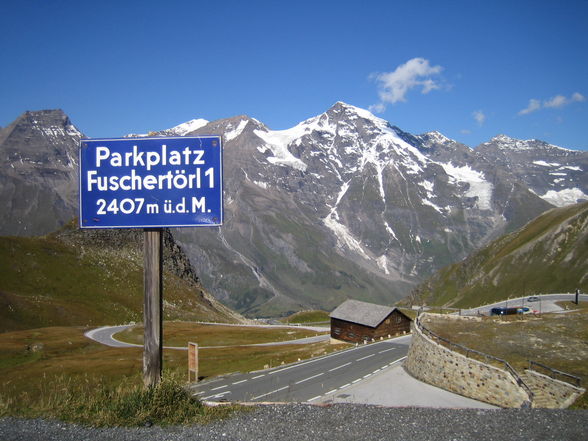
(151, 182)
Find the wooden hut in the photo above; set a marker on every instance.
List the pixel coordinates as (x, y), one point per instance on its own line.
(354, 321)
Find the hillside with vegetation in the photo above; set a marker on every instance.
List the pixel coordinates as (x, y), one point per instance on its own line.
(94, 277)
(547, 255)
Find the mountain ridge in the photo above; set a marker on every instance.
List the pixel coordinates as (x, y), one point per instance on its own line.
(346, 205)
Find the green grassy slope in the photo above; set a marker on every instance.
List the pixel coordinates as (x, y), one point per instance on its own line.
(89, 278)
(548, 255)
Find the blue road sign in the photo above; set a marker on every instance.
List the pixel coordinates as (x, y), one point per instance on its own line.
(151, 182)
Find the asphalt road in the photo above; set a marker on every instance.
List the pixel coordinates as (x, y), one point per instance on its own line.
(309, 380)
(546, 303)
(105, 336)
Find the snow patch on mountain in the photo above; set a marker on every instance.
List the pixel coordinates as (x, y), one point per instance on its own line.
(232, 134)
(564, 197)
(261, 184)
(431, 204)
(390, 230)
(546, 164)
(188, 126)
(342, 233)
(478, 186)
(277, 141)
(382, 262)
(179, 130)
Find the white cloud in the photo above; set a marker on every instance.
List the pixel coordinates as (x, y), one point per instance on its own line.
(393, 86)
(532, 107)
(479, 116)
(377, 108)
(555, 102)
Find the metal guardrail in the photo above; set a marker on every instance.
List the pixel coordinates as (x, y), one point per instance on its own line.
(487, 357)
(553, 373)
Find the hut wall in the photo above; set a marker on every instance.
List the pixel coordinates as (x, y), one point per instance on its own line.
(395, 323)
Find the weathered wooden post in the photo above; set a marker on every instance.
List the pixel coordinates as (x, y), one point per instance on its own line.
(192, 361)
(153, 306)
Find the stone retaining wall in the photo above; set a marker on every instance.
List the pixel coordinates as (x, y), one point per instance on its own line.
(554, 394)
(435, 364)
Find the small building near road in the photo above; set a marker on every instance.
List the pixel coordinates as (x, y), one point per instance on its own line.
(355, 321)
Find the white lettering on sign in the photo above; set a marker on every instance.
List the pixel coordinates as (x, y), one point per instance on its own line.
(136, 182)
(150, 159)
(168, 181)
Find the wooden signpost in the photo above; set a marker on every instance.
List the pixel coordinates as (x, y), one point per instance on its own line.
(192, 361)
(152, 309)
(152, 183)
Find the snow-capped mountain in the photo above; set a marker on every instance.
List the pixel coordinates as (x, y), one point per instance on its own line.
(345, 205)
(556, 174)
(179, 130)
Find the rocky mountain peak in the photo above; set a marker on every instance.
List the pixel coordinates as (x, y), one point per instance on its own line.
(436, 138)
(504, 142)
(24, 142)
(187, 127)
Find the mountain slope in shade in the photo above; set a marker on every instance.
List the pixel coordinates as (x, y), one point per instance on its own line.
(94, 277)
(548, 255)
(38, 178)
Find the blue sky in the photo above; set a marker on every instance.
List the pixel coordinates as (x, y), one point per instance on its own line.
(468, 69)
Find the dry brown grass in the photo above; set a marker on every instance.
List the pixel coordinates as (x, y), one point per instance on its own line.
(39, 365)
(559, 341)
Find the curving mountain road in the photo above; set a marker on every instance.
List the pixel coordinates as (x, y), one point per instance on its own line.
(308, 380)
(105, 336)
(545, 303)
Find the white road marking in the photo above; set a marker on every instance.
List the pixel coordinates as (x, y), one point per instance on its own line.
(386, 350)
(331, 392)
(315, 398)
(309, 378)
(216, 395)
(367, 356)
(356, 381)
(220, 387)
(269, 393)
(259, 376)
(339, 367)
(368, 375)
(239, 382)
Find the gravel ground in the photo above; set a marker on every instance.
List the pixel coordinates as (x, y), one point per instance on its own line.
(336, 422)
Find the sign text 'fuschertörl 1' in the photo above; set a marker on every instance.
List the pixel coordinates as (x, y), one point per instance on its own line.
(151, 182)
